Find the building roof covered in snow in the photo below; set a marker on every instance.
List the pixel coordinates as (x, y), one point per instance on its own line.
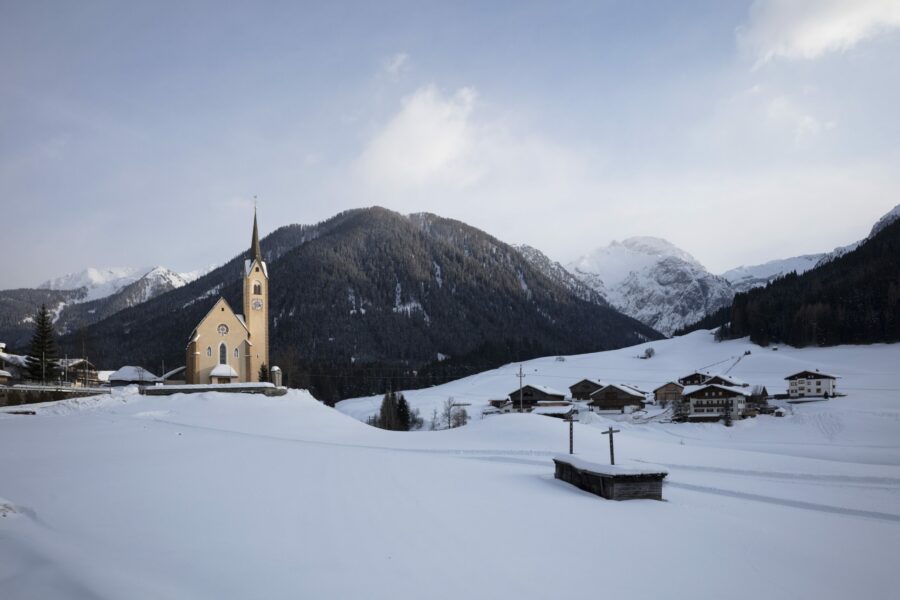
(223, 371)
(623, 387)
(132, 374)
(730, 390)
(811, 375)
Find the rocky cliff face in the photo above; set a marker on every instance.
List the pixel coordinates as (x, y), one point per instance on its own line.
(653, 281)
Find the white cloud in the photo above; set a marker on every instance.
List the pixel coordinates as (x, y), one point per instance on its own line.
(806, 29)
(429, 141)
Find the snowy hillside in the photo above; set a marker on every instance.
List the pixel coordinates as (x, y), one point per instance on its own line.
(653, 281)
(230, 496)
(888, 218)
(868, 375)
(744, 278)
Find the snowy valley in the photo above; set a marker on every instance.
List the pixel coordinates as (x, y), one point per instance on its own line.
(228, 496)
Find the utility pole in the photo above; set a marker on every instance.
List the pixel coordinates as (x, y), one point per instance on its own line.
(612, 452)
(521, 375)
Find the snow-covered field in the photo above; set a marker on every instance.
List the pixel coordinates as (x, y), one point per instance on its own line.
(237, 496)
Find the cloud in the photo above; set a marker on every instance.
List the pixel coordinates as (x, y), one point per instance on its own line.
(429, 141)
(807, 29)
(397, 64)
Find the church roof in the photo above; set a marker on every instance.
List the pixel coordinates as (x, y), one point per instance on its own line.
(194, 337)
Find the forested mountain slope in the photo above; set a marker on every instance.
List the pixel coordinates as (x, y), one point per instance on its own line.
(371, 295)
(853, 299)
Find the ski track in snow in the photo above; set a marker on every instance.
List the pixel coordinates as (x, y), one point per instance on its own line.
(838, 510)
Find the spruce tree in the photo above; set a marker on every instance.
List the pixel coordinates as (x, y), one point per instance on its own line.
(42, 355)
(263, 373)
(403, 414)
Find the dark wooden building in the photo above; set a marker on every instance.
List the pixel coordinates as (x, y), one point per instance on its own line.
(532, 394)
(610, 482)
(584, 388)
(618, 397)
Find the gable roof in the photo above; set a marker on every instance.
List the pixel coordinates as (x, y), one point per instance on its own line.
(132, 373)
(541, 388)
(727, 379)
(669, 383)
(596, 382)
(193, 337)
(693, 389)
(630, 390)
(815, 374)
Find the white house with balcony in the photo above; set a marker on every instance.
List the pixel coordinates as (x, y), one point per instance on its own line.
(812, 384)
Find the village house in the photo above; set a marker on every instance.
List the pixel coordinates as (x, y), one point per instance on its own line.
(668, 393)
(79, 372)
(584, 388)
(5, 376)
(806, 384)
(695, 378)
(619, 397)
(713, 401)
(529, 395)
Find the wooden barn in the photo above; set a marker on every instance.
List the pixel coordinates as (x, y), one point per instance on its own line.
(668, 393)
(618, 396)
(584, 388)
(532, 394)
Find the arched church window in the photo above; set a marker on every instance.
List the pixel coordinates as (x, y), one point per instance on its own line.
(235, 352)
(223, 354)
(209, 350)
(257, 288)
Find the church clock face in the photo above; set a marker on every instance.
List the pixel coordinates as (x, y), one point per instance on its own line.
(256, 304)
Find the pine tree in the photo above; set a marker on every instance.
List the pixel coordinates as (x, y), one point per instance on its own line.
(387, 416)
(403, 414)
(263, 373)
(42, 355)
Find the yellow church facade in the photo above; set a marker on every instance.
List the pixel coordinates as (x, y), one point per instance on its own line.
(227, 347)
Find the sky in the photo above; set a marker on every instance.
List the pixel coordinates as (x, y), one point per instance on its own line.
(138, 134)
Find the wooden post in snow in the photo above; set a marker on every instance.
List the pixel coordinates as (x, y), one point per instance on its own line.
(612, 451)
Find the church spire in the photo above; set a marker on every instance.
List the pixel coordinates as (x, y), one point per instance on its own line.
(255, 253)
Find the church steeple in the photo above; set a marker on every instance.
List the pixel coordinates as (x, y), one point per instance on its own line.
(255, 253)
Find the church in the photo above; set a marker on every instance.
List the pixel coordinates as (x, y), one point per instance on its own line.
(227, 347)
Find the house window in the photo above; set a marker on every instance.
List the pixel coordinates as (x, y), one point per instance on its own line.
(209, 350)
(223, 354)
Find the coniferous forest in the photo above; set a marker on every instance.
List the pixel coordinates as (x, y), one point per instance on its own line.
(853, 299)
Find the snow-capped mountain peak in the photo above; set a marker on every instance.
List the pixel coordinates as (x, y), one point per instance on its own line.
(654, 281)
(100, 283)
(97, 282)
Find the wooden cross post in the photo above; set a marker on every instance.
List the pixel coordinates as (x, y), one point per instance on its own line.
(612, 452)
(571, 421)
